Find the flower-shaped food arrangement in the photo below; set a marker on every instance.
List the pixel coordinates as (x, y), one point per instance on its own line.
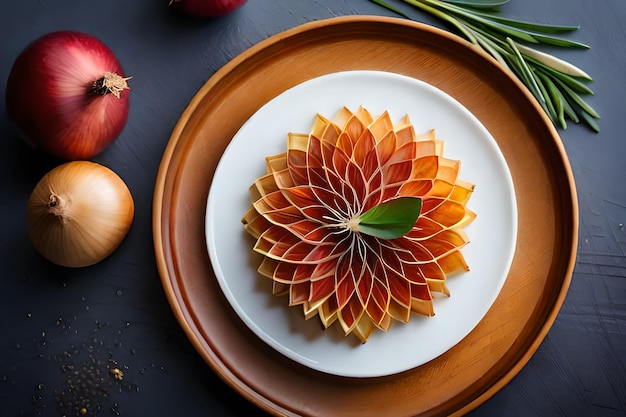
(360, 221)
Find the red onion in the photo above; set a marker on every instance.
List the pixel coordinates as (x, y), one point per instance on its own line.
(205, 8)
(67, 95)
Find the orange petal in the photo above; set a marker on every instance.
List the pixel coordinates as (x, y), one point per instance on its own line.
(381, 126)
(425, 167)
(365, 143)
(416, 188)
(321, 288)
(443, 211)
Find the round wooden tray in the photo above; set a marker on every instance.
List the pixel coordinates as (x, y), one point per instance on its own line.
(502, 343)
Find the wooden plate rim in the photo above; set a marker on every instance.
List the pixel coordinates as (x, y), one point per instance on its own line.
(163, 217)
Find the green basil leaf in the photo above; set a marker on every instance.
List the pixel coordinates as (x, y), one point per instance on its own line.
(391, 219)
(386, 231)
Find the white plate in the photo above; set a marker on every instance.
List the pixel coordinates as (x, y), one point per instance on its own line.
(489, 254)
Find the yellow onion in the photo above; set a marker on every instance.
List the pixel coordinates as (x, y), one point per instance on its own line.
(79, 213)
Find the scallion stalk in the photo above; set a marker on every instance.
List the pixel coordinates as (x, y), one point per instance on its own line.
(556, 84)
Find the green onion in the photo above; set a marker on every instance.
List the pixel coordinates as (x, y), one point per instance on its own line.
(557, 85)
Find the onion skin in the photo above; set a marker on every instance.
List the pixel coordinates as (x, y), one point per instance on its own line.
(49, 97)
(79, 213)
(205, 8)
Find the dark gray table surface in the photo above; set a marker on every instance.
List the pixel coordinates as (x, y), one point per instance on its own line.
(53, 318)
